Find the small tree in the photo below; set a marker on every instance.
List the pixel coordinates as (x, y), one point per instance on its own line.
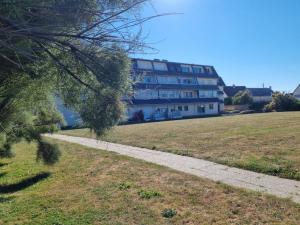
(76, 50)
(242, 98)
(282, 102)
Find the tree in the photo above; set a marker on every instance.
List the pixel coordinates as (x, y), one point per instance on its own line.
(282, 102)
(242, 98)
(72, 49)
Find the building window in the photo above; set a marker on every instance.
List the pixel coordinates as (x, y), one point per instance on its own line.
(179, 108)
(188, 94)
(209, 69)
(211, 106)
(201, 109)
(197, 69)
(187, 81)
(185, 69)
(186, 108)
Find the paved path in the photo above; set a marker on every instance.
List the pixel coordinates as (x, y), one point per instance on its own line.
(232, 176)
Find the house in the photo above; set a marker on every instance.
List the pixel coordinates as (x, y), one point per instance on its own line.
(231, 91)
(168, 90)
(258, 94)
(261, 94)
(296, 93)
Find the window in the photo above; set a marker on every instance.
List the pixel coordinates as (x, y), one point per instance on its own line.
(148, 79)
(186, 108)
(160, 66)
(211, 106)
(197, 69)
(188, 94)
(185, 69)
(187, 81)
(144, 65)
(201, 109)
(209, 69)
(179, 108)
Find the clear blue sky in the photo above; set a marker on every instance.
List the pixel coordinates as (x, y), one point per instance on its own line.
(250, 42)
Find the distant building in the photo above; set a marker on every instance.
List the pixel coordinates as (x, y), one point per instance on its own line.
(168, 90)
(296, 93)
(258, 94)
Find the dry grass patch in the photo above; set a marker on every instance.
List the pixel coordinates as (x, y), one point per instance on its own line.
(267, 143)
(84, 188)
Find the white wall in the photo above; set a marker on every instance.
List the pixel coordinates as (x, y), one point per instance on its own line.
(149, 110)
(167, 80)
(207, 81)
(262, 98)
(146, 94)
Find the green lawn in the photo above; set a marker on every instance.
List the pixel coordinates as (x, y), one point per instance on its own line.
(90, 186)
(267, 143)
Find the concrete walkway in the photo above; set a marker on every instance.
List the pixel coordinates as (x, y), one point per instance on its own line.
(232, 176)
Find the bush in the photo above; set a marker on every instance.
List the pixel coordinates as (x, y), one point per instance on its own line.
(258, 106)
(282, 102)
(124, 186)
(168, 213)
(148, 194)
(228, 101)
(242, 98)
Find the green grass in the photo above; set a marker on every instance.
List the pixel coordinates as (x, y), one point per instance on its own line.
(267, 143)
(90, 186)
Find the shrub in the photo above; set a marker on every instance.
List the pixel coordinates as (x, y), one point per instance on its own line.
(148, 194)
(282, 102)
(168, 213)
(228, 101)
(124, 186)
(242, 98)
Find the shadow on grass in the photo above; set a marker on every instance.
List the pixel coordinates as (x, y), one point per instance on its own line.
(3, 164)
(10, 188)
(7, 199)
(2, 174)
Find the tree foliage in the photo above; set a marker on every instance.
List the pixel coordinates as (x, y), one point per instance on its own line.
(282, 102)
(242, 98)
(72, 49)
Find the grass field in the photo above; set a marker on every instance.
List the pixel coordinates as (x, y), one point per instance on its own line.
(267, 143)
(96, 187)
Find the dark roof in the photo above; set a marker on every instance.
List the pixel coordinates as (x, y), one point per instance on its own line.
(175, 86)
(174, 68)
(171, 101)
(221, 82)
(231, 91)
(170, 73)
(260, 91)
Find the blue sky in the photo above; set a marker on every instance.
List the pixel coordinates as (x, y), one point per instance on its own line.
(250, 42)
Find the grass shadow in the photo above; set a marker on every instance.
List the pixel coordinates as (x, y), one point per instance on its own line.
(3, 174)
(7, 199)
(10, 188)
(3, 164)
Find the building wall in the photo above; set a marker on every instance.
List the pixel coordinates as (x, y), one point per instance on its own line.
(297, 92)
(262, 98)
(184, 110)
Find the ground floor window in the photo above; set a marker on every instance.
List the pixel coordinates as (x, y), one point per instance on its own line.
(186, 108)
(211, 106)
(201, 109)
(179, 108)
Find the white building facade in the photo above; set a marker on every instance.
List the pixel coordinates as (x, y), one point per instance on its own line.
(168, 90)
(296, 93)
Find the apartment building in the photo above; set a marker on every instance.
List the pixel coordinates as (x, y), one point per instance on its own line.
(168, 90)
